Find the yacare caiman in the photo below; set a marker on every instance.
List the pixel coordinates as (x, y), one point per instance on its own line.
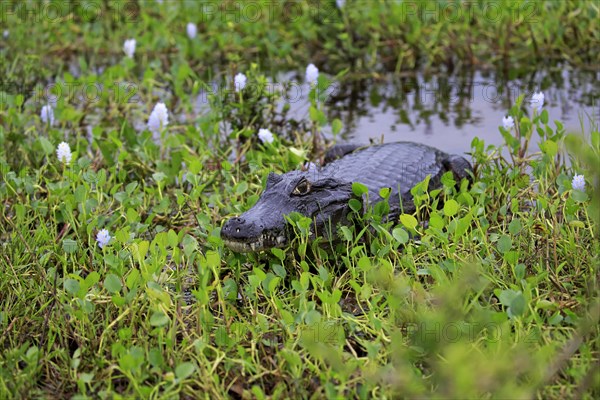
(322, 194)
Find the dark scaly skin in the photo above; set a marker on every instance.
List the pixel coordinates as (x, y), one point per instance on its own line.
(399, 166)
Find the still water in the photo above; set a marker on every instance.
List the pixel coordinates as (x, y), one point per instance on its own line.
(448, 112)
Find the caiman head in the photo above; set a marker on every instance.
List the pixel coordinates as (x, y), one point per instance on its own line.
(321, 198)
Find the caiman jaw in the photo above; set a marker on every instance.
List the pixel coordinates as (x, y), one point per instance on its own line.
(261, 243)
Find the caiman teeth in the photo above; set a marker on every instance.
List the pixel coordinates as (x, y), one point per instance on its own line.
(255, 244)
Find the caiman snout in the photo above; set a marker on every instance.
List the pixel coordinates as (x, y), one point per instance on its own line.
(237, 229)
(244, 235)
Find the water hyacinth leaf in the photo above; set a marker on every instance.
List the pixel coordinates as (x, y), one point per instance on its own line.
(556, 319)
(448, 180)
(579, 196)
(385, 192)
(47, 147)
(302, 249)
(130, 188)
(511, 257)
(317, 115)
(132, 215)
(133, 279)
(436, 221)
(359, 189)
(280, 254)
(213, 259)
(279, 271)
(139, 250)
(400, 235)
(463, 225)
(336, 126)
(520, 271)
(409, 221)
(172, 238)
(90, 280)
(323, 274)
(451, 207)
(549, 147)
(544, 116)
(296, 155)
(504, 243)
(158, 318)
(346, 233)
(513, 301)
(69, 246)
(241, 188)
(158, 177)
(514, 227)
(364, 264)
(112, 283)
(72, 286)
(155, 358)
(355, 205)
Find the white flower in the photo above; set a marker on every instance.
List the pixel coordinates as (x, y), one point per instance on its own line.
(340, 3)
(312, 73)
(6, 33)
(240, 82)
(159, 119)
(537, 101)
(508, 122)
(265, 136)
(192, 30)
(129, 47)
(578, 183)
(102, 237)
(47, 115)
(63, 152)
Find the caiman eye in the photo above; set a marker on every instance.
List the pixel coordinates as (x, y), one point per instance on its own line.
(302, 188)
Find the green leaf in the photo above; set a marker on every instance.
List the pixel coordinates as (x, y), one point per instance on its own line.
(241, 188)
(280, 254)
(436, 221)
(139, 250)
(514, 227)
(463, 225)
(514, 301)
(90, 280)
(549, 147)
(408, 221)
(400, 235)
(385, 192)
(355, 205)
(504, 243)
(336, 126)
(213, 259)
(451, 207)
(364, 263)
(159, 319)
(172, 238)
(359, 189)
(69, 246)
(46, 145)
(520, 271)
(72, 286)
(184, 370)
(579, 196)
(112, 283)
(544, 116)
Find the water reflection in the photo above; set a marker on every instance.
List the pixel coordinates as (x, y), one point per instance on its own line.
(449, 111)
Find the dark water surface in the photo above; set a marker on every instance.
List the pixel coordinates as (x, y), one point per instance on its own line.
(448, 112)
